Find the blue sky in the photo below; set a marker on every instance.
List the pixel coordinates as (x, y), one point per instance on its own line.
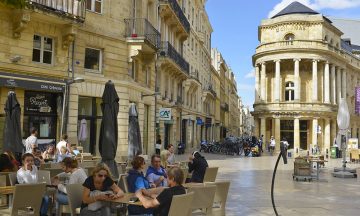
(235, 24)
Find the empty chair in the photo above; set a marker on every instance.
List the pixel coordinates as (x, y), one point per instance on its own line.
(12, 178)
(122, 183)
(74, 192)
(44, 176)
(203, 199)
(86, 157)
(222, 190)
(181, 205)
(27, 200)
(210, 174)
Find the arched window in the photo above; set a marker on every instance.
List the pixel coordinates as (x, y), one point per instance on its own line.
(326, 38)
(289, 91)
(289, 37)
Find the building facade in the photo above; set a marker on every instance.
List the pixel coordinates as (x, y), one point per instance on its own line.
(302, 69)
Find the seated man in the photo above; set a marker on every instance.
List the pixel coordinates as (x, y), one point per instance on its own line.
(156, 174)
(163, 201)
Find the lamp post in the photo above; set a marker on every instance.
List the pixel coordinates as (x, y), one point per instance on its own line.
(343, 121)
(68, 82)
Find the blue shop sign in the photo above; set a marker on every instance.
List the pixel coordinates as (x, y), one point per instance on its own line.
(199, 121)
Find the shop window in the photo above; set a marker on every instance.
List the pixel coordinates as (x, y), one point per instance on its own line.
(93, 59)
(42, 49)
(289, 91)
(94, 5)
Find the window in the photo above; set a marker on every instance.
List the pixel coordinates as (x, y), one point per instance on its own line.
(94, 5)
(289, 37)
(42, 49)
(147, 75)
(93, 59)
(289, 91)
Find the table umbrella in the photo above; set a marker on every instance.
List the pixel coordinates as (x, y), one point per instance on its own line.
(12, 129)
(109, 127)
(134, 136)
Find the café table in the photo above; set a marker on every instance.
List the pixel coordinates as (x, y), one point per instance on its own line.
(318, 162)
(126, 199)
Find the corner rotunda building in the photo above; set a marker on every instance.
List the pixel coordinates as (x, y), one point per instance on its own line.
(302, 69)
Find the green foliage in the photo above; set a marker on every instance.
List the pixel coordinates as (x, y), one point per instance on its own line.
(14, 3)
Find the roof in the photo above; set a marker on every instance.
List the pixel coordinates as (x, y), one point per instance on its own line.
(295, 8)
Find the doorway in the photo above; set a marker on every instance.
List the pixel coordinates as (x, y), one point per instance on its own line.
(287, 131)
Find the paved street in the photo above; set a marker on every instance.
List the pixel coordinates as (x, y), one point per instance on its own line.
(251, 180)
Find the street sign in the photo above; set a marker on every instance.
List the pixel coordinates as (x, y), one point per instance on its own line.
(165, 114)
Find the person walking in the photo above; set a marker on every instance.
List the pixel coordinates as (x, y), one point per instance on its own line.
(31, 141)
(158, 145)
(272, 145)
(197, 165)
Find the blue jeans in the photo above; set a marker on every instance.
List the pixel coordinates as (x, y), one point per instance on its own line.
(44, 205)
(62, 198)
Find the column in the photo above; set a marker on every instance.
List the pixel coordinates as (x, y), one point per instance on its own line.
(314, 133)
(257, 83)
(296, 79)
(333, 126)
(327, 137)
(257, 128)
(326, 83)
(333, 85)
(277, 81)
(277, 133)
(263, 82)
(338, 84)
(314, 81)
(343, 86)
(263, 128)
(296, 136)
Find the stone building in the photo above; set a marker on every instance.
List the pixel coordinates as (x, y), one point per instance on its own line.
(303, 67)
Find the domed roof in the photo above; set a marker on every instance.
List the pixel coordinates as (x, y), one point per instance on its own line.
(295, 8)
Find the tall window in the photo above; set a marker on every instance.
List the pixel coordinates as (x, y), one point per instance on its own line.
(42, 49)
(289, 91)
(93, 59)
(94, 5)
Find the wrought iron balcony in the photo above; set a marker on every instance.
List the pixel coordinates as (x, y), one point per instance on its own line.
(179, 13)
(73, 9)
(141, 29)
(167, 50)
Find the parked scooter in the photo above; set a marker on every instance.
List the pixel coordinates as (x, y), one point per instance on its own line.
(204, 146)
(181, 148)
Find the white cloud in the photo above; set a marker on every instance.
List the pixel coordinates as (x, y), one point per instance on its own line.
(317, 5)
(251, 74)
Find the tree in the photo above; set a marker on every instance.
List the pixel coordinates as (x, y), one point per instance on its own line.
(14, 3)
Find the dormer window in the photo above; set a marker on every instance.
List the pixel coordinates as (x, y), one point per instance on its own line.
(289, 37)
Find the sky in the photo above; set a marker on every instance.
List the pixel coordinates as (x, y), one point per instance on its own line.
(235, 24)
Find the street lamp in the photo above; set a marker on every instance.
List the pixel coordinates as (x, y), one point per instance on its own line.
(68, 82)
(343, 121)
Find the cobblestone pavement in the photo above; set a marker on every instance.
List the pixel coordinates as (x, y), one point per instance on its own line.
(251, 184)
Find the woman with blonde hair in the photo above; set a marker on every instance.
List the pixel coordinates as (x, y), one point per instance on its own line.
(164, 155)
(99, 187)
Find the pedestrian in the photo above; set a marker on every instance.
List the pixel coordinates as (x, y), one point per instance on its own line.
(31, 141)
(197, 165)
(158, 145)
(171, 158)
(272, 144)
(261, 141)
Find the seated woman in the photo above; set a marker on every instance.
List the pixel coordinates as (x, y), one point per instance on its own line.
(64, 154)
(6, 165)
(49, 153)
(27, 174)
(99, 187)
(156, 174)
(197, 164)
(77, 176)
(164, 156)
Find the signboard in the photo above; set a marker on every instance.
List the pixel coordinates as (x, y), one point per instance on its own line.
(39, 102)
(165, 114)
(199, 121)
(357, 100)
(353, 143)
(27, 84)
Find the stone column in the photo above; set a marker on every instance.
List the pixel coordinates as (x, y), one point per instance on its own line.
(314, 133)
(263, 128)
(343, 86)
(297, 79)
(314, 81)
(263, 82)
(327, 140)
(296, 136)
(257, 83)
(277, 133)
(338, 84)
(277, 81)
(326, 83)
(333, 85)
(257, 127)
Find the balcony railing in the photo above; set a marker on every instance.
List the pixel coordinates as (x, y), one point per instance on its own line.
(141, 28)
(74, 9)
(167, 50)
(179, 13)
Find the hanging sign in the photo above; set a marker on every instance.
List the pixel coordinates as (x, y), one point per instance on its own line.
(165, 114)
(357, 100)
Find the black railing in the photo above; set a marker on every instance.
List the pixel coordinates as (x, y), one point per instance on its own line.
(141, 28)
(167, 50)
(179, 13)
(74, 9)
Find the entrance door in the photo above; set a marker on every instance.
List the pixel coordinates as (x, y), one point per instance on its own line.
(167, 135)
(287, 131)
(303, 134)
(183, 131)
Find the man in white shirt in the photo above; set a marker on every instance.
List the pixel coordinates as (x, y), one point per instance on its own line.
(63, 143)
(27, 174)
(31, 141)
